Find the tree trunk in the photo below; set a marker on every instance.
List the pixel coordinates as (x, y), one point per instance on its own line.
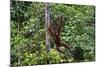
(47, 20)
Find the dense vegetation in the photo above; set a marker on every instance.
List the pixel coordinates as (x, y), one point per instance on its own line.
(28, 33)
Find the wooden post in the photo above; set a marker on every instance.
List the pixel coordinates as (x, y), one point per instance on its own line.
(47, 20)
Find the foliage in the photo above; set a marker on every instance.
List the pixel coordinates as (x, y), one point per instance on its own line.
(28, 33)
